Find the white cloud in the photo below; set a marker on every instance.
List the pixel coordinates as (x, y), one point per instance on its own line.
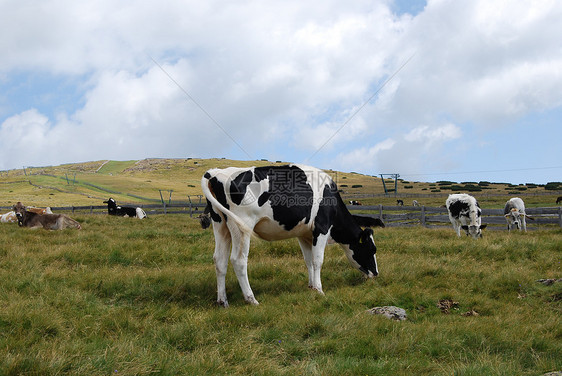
(281, 78)
(407, 152)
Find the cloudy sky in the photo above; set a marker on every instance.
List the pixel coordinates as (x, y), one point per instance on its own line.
(462, 90)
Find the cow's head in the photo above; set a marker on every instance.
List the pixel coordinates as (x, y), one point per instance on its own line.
(362, 253)
(474, 231)
(111, 204)
(514, 218)
(19, 209)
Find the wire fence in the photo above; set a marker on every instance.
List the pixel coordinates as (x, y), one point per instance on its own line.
(392, 216)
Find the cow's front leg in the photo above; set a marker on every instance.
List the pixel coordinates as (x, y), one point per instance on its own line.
(239, 259)
(222, 247)
(314, 258)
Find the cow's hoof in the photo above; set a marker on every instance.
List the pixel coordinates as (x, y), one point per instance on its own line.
(251, 300)
(222, 304)
(318, 290)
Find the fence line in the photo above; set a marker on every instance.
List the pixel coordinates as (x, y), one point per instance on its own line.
(439, 216)
(392, 216)
(349, 195)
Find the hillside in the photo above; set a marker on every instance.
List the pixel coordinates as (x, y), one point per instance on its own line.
(144, 181)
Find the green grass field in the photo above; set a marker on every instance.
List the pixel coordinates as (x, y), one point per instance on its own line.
(129, 297)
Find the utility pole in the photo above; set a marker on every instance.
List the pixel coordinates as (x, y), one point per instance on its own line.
(395, 177)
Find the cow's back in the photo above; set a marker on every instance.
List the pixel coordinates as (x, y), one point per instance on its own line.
(276, 202)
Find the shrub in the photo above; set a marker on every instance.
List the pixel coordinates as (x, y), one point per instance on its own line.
(356, 186)
(553, 186)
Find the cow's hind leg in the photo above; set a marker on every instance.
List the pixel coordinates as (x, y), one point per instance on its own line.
(239, 259)
(306, 248)
(222, 248)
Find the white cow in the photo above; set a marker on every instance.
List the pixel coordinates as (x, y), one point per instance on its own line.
(465, 213)
(514, 212)
(9, 217)
(282, 202)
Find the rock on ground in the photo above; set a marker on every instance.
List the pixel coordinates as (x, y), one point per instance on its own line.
(390, 312)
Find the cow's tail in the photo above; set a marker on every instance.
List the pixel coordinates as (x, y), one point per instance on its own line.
(140, 213)
(216, 205)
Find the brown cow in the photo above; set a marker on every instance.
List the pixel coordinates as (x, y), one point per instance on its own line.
(39, 211)
(47, 221)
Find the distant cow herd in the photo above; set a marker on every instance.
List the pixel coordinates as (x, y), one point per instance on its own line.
(32, 217)
(282, 202)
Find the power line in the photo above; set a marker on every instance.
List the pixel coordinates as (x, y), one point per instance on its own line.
(200, 107)
(360, 107)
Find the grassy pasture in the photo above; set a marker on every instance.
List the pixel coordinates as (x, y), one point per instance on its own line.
(130, 297)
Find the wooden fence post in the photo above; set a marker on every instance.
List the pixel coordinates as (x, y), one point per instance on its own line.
(380, 212)
(423, 215)
(560, 216)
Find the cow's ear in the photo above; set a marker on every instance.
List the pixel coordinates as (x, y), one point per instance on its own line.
(364, 221)
(465, 228)
(507, 215)
(365, 235)
(482, 227)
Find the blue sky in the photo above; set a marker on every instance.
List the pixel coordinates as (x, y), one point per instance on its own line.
(439, 90)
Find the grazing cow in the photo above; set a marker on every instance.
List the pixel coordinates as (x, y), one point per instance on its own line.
(514, 212)
(465, 213)
(558, 200)
(46, 221)
(415, 203)
(399, 202)
(282, 202)
(353, 202)
(9, 217)
(124, 211)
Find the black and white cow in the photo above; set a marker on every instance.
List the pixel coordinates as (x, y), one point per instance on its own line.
(465, 213)
(123, 211)
(514, 212)
(281, 202)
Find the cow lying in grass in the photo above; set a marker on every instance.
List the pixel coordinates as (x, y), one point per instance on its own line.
(9, 217)
(123, 211)
(46, 221)
(39, 211)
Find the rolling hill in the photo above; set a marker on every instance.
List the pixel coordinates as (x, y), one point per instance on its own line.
(149, 180)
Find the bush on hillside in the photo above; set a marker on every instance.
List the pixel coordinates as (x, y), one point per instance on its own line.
(553, 186)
